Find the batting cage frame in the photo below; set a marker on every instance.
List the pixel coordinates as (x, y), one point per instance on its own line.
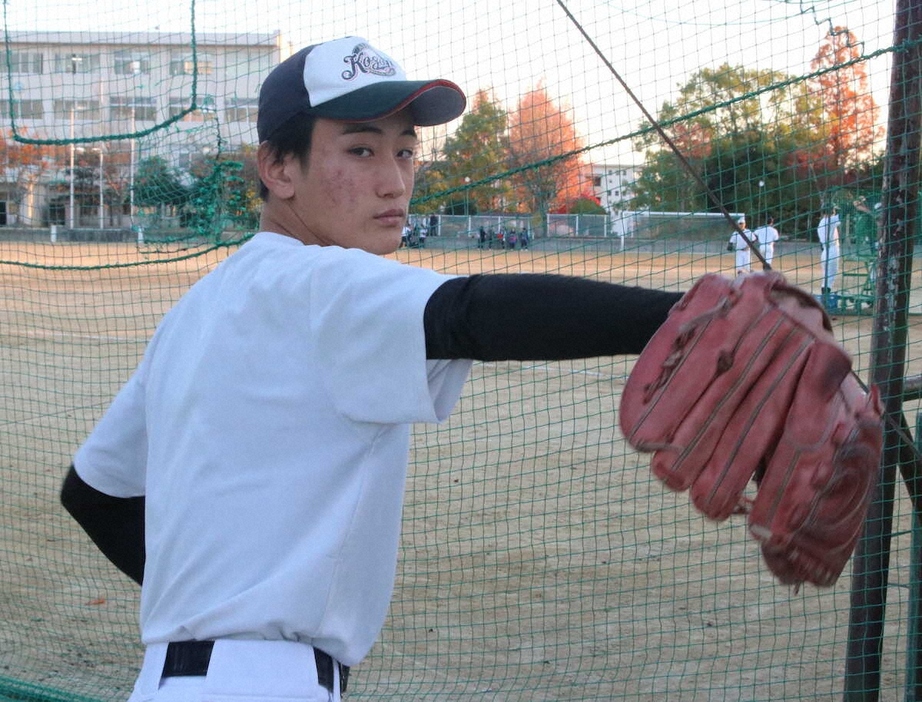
(888, 372)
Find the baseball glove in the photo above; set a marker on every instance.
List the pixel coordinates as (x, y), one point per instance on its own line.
(746, 380)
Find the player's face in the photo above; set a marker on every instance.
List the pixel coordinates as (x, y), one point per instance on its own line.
(355, 188)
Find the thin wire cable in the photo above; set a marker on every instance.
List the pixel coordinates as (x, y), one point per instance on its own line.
(753, 245)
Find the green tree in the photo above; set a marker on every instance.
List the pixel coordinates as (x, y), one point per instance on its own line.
(750, 135)
(158, 185)
(428, 193)
(241, 187)
(224, 192)
(664, 185)
(586, 204)
(476, 151)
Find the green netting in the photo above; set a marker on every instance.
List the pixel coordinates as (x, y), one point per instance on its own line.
(540, 560)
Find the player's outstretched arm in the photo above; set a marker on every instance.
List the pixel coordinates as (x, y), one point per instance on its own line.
(521, 317)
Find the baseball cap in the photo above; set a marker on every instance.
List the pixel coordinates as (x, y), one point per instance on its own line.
(349, 80)
(741, 220)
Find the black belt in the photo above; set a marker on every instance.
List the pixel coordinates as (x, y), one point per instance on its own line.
(187, 658)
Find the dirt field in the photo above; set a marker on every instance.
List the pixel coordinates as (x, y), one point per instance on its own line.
(540, 560)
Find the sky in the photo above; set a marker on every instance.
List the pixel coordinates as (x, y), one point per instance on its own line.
(512, 47)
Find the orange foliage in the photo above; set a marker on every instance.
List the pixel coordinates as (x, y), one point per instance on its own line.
(539, 132)
(850, 108)
(15, 154)
(695, 139)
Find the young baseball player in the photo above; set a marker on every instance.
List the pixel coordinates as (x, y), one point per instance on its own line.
(767, 235)
(250, 473)
(827, 231)
(739, 244)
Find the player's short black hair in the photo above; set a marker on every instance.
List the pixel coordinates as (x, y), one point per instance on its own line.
(292, 138)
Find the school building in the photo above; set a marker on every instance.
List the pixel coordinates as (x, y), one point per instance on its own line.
(123, 97)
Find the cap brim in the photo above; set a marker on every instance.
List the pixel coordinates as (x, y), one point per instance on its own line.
(431, 102)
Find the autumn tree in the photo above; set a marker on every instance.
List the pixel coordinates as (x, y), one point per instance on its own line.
(24, 165)
(429, 188)
(117, 178)
(851, 114)
(544, 153)
(475, 152)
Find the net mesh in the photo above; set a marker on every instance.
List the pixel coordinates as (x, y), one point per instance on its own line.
(539, 559)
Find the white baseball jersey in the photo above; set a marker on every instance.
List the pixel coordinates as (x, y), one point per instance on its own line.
(767, 235)
(741, 249)
(828, 230)
(268, 427)
(828, 233)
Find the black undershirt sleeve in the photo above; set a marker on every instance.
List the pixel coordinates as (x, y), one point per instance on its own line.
(115, 524)
(522, 317)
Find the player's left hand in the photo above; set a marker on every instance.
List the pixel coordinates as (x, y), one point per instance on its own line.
(744, 379)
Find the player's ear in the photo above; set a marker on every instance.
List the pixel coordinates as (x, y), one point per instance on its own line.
(274, 171)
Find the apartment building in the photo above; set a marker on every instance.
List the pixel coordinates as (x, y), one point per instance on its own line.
(613, 184)
(153, 94)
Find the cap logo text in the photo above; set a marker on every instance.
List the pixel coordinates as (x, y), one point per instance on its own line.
(364, 59)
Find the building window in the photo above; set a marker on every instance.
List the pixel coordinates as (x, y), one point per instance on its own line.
(206, 109)
(26, 62)
(185, 159)
(241, 109)
(75, 62)
(140, 109)
(28, 109)
(185, 64)
(175, 107)
(79, 109)
(128, 63)
(597, 181)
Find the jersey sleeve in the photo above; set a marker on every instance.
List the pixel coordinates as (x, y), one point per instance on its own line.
(367, 329)
(113, 459)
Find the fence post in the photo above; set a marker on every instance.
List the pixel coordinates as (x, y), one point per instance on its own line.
(871, 563)
(914, 630)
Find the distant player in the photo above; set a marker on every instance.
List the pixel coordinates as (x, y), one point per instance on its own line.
(827, 231)
(767, 235)
(738, 244)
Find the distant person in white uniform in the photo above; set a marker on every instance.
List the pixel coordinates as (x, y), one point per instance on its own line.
(828, 234)
(767, 235)
(739, 245)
